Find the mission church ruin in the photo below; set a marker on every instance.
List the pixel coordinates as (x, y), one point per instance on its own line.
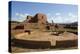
(39, 21)
(36, 27)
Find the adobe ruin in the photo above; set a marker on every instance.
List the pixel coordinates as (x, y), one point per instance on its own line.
(39, 21)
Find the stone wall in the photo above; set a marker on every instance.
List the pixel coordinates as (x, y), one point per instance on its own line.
(66, 43)
(31, 43)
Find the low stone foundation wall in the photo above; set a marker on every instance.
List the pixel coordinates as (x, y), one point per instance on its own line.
(67, 43)
(31, 43)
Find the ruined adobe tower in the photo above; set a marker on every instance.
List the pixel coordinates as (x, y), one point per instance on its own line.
(38, 21)
(38, 18)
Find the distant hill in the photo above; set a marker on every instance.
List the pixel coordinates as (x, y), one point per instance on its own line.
(73, 25)
(14, 22)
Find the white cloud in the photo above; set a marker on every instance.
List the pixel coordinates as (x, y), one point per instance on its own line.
(72, 15)
(58, 13)
(70, 20)
(50, 17)
(58, 18)
(26, 14)
(48, 14)
(17, 14)
(65, 19)
(21, 17)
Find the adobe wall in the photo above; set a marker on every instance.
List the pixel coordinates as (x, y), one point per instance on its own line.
(67, 43)
(37, 21)
(32, 44)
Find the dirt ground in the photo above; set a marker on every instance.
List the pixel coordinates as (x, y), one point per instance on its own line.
(43, 36)
(47, 36)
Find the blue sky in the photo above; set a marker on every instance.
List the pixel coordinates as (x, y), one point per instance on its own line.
(59, 13)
